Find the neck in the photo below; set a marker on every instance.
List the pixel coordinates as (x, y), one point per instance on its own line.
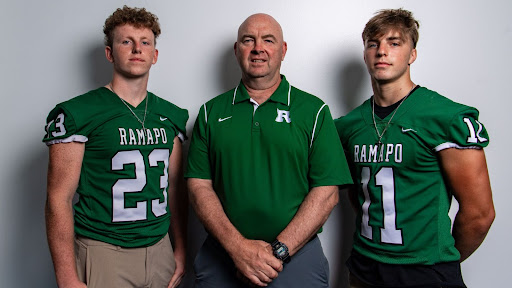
(132, 91)
(260, 89)
(386, 94)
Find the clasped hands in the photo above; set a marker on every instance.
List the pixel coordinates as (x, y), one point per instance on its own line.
(256, 263)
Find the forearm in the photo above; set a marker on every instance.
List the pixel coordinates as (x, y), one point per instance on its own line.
(466, 172)
(179, 219)
(60, 234)
(63, 176)
(252, 258)
(310, 217)
(469, 231)
(209, 210)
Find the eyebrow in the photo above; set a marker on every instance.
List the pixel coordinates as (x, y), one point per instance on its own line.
(391, 38)
(269, 36)
(395, 38)
(266, 36)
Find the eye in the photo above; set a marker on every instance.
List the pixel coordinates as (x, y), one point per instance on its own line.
(247, 40)
(146, 43)
(371, 45)
(395, 44)
(126, 42)
(269, 41)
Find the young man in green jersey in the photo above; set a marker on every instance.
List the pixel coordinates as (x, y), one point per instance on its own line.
(410, 150)
(119, 148)
(263, 173)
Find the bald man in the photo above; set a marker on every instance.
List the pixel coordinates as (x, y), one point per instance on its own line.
(263, 172)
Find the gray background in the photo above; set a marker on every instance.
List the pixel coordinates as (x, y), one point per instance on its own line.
(53, 50)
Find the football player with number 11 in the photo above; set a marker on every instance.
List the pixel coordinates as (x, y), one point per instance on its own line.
(410, 149)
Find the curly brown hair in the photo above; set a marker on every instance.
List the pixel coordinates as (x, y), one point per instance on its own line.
(138, 17)
(387, 19)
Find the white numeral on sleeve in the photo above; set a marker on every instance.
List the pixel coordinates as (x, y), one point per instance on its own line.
(474, 137)
(59, 125)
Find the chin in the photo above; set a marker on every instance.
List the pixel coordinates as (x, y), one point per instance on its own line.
(382, 78)
(256, 74)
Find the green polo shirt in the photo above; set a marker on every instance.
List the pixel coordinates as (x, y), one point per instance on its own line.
(263, 162)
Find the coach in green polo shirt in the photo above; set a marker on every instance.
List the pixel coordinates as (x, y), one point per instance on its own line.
(264, 167)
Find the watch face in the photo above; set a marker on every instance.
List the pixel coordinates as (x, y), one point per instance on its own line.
(281, 251)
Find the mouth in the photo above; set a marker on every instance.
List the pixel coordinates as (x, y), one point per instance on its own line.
(136, 60)
(382, 64)
(258, 61)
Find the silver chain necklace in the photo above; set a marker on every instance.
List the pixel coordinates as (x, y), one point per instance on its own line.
(387, 125)
(126, 104)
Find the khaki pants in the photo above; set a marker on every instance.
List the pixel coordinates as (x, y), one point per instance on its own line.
(102, 265)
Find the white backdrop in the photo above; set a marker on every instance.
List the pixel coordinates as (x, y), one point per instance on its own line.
(53, 50)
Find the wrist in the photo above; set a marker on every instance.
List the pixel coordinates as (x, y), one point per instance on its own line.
(280, 251)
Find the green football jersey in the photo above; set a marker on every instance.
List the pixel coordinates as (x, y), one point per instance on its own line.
(263, 162)
(404, 199)
(124, 177)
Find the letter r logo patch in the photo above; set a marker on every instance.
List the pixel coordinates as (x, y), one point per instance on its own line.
(283, 115)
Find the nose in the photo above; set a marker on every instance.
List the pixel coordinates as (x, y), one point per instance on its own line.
(258, 47)
(136, 48)
(382, 51)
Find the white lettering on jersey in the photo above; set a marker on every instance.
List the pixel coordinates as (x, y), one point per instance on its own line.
(373, 153)
(141, 136)
(164, 136)
(386, 153)
(398, 153)
(157, 134)
(363, 153)
(150, 137)
(389, 151)
(122, 136)
(283, 114)
(133, 140)
(138, 137)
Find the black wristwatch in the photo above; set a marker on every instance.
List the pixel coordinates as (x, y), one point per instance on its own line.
(281, 251)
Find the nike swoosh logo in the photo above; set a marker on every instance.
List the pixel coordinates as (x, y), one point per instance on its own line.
(404, 130)
(222, 119)
(163, 118)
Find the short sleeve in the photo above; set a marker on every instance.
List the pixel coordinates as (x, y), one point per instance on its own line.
(179, 119)
(198, 159)
(61, 128)
(465, 131)
(327, 162)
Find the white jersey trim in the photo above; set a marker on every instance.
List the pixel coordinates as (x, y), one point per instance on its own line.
(205, 114)
(72, 138)
(314, 127)
(234, 95)
(289, 92)
(453, 145)
(181, 137)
